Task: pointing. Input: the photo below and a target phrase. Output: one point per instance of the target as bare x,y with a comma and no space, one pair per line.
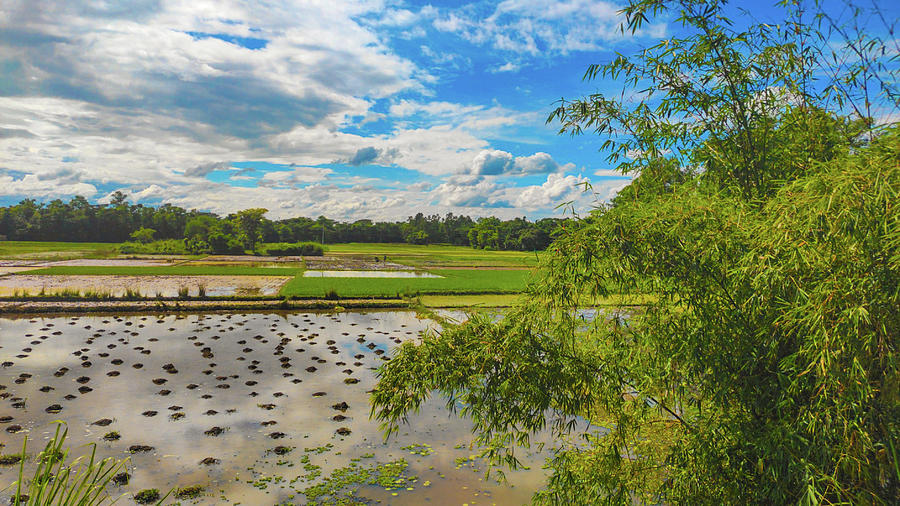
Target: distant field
175,270
470,277
468,300
435,255
458,281
40,249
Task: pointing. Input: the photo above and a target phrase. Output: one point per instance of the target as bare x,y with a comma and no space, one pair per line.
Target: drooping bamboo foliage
764,369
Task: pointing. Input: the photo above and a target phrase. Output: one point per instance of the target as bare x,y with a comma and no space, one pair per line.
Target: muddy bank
156,306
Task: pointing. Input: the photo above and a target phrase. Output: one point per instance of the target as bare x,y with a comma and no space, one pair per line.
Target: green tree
143,235
249,225
764,230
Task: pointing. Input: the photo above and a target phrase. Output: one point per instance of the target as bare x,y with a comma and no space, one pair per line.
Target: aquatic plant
82,482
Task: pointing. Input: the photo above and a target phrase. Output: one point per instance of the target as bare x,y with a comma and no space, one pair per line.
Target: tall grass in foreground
83,482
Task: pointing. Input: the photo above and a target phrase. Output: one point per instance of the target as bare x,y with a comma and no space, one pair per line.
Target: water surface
250,375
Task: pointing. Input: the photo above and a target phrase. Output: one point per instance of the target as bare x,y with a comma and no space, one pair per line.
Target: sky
373,109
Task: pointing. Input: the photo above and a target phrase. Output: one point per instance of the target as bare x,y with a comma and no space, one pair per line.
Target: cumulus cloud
496,162
492,162
364,156
480,194
551,192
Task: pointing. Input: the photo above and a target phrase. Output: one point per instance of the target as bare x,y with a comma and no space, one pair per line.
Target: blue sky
365,109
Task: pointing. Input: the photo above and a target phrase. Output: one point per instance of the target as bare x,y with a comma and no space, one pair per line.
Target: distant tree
143,235
199,227
248,223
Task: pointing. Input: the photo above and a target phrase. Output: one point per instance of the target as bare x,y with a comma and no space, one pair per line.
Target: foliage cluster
765,222
162,247
292,249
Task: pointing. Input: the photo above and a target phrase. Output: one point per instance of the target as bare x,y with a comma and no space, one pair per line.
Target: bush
225,244
163,247
307,249
197,246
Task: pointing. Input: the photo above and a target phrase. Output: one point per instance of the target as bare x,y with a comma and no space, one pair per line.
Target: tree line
118,221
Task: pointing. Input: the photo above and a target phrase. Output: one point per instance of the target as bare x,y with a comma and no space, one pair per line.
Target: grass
173,270
57,250
454,281
470,300
84,481
436,255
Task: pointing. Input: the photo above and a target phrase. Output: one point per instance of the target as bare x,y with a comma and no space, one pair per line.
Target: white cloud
611,173
294,177
551,192
537,27
493,162
35,186
506,67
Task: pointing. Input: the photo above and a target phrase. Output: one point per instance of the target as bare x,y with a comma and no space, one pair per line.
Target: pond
256,408
369,274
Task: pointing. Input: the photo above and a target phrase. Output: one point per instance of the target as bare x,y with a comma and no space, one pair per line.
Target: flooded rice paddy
147,286
255,408
369,274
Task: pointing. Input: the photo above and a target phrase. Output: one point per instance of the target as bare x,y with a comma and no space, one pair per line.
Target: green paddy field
467,276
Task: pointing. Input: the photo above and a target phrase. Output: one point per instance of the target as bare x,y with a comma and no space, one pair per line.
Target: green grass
174,270
67,250
436,255
457,281
470,300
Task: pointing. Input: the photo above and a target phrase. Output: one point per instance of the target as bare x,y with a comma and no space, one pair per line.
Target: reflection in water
369,274
233,387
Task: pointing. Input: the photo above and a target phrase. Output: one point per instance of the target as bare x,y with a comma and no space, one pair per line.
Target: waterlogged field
101,286
438,255
252,408
449,281
49,249
346,271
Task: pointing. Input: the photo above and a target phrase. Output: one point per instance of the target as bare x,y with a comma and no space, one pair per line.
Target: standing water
255,408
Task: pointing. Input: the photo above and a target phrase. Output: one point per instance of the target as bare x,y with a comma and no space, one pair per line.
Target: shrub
143,235
309,249
197,246
163,247
225,244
